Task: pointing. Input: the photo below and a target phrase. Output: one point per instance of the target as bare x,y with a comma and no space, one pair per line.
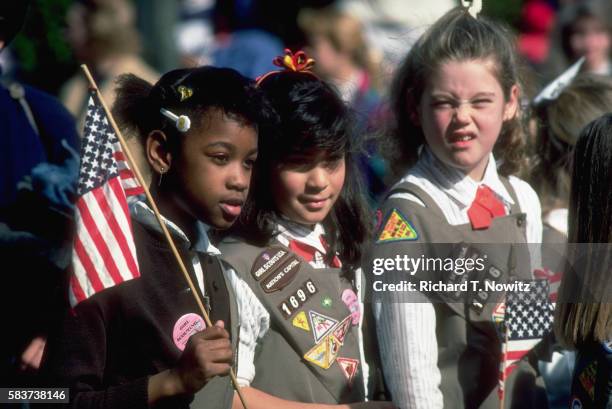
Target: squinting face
214,170
305,188
462,111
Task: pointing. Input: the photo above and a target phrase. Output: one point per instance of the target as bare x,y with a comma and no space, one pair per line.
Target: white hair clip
474,6
552,90
183,123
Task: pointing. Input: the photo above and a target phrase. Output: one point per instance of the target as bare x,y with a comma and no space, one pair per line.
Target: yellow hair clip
185,92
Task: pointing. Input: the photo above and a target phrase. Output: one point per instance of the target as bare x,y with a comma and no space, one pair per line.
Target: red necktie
307,252
484,208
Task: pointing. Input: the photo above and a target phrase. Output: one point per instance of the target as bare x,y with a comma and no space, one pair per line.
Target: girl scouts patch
576,404
321,325
319,355
268,260
275,267
300,321
324,353
349,367
342,329
349,298
326,302
185,327
587,379
397,228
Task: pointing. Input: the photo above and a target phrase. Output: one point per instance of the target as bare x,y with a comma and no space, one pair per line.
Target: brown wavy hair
456,36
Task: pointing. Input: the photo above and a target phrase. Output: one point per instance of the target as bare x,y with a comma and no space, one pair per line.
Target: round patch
349,298
607,345
576,404
185,327
326,302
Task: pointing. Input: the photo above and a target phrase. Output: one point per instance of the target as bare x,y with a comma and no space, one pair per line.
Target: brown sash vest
469,345
311,352
220,302
219,392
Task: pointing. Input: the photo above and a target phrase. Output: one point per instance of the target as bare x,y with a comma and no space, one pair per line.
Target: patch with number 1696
295,301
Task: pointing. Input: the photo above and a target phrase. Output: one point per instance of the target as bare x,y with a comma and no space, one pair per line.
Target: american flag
103,251
528,317
554,280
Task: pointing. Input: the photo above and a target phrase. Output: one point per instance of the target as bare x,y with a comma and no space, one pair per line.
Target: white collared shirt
411,366
254,318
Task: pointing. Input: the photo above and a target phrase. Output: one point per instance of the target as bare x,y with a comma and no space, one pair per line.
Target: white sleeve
409,353
254,324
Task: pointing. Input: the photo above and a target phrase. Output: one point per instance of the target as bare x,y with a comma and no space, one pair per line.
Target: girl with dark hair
298,245
582,29
137,344
455,143
583,317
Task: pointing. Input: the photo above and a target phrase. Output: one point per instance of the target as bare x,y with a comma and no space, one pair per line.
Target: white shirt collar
142,212
290,230
456,183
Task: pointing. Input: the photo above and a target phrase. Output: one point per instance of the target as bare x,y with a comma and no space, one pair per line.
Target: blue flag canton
98,163
529,314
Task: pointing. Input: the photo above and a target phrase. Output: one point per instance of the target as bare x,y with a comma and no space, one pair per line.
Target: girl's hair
138,103
561,54
311,117
346,35
456,36
590,217
559,123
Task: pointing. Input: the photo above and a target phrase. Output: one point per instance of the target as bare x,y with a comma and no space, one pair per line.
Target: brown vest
219,392
469,344
311,352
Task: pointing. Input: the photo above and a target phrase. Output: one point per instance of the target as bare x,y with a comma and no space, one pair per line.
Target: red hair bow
294,62
298,62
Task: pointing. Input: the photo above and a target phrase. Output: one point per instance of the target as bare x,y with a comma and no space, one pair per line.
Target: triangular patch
397,228
349,368
499,312
300,321
333,347
319,355
321,325
342,329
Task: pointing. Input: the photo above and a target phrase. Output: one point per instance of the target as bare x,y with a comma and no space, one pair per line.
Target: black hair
311,118
12,17
591,193
456,36
138,103
590,221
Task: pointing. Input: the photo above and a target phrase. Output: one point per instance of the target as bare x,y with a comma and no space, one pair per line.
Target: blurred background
345,36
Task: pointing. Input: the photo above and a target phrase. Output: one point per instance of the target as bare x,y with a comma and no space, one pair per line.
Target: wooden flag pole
138,175
504,361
